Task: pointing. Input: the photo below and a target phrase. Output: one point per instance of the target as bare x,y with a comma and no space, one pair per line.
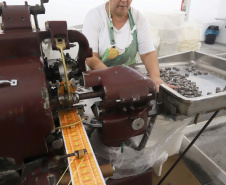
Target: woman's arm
151,63
95,63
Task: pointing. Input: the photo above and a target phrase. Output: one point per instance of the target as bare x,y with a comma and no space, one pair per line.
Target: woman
116,32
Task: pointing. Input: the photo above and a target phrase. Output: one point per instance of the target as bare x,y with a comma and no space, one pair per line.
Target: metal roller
107,170
81,154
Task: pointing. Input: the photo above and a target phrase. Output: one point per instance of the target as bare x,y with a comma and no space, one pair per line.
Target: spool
107,170
81,154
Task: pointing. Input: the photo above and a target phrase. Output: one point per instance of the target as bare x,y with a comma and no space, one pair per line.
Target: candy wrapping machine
126,99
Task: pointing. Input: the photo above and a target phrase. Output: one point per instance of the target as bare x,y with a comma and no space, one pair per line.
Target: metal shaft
90,95
36,22
147,133
72,154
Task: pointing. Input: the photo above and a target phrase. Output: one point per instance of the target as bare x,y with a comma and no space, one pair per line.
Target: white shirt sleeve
145,44
91,28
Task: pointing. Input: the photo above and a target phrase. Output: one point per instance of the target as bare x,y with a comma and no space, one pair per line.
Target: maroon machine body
25,112
126,102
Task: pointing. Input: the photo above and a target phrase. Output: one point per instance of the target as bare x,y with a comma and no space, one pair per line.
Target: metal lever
12,82
60,44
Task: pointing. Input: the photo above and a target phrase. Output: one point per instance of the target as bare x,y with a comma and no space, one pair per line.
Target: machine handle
34,10
12,82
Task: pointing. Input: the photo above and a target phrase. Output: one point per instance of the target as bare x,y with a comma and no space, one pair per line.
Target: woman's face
120,7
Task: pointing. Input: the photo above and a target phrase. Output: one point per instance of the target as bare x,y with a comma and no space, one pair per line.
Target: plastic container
155,37
191,32
168,48
165,20
187,32
170,35
189,46
210,39
211,34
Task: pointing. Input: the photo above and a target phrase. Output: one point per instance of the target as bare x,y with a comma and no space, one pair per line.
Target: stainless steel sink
222,55
181,105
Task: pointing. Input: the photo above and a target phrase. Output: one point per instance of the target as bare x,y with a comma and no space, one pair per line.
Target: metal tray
176,104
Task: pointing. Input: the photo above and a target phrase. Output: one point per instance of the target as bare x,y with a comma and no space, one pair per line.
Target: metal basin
180,105
222,55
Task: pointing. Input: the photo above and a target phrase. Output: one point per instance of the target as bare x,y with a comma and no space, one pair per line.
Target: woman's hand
158,81
94,62
151,63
